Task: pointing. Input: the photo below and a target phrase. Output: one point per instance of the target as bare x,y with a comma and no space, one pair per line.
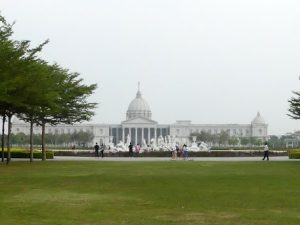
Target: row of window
239,132
67,130
217,131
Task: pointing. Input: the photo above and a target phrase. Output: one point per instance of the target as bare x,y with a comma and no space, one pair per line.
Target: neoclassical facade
140,128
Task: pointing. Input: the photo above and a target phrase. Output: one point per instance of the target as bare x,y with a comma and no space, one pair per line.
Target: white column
123,134
149,136
135,135
117,135
155,136
142,135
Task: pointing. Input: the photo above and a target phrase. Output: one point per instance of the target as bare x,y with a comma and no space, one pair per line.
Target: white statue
160,140
144,144
128,140
203,146
121,146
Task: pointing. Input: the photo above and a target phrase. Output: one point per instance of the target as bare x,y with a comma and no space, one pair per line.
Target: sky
208,61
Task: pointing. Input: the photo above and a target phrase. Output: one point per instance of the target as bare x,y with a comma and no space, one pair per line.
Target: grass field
150,193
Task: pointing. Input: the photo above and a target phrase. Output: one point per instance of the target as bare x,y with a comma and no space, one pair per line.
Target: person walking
185,152
102,150
177,151
130,148
174,152
266,151
137,150
96,147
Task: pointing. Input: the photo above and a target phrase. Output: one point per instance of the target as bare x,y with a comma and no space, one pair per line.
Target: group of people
136,149
101,148
180,152
176,151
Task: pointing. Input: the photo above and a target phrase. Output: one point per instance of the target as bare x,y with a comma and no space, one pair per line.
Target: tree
202,136
68,102
37,95
276,142
294,106
15,58
233,140
55,96
223,138
245,141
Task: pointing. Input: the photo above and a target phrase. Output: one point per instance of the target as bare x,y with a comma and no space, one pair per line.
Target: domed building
139,128
258,125
138,107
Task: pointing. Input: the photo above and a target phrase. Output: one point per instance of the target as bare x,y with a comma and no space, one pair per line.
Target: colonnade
137,134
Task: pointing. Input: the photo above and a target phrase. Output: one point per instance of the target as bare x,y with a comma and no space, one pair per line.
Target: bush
36,155
294,155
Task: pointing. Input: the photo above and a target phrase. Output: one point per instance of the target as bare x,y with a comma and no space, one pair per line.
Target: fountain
194,147
203,146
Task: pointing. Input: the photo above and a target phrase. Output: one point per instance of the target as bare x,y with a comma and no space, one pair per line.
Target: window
241,132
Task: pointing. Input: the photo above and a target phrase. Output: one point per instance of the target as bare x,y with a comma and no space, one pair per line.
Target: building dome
138,107
258,119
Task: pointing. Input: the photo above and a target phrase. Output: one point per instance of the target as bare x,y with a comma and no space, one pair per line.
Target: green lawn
150,193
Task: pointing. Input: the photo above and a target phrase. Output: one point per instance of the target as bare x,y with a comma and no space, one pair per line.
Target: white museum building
140,127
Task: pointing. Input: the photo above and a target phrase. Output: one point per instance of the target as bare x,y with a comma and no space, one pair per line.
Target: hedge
294,155
36,155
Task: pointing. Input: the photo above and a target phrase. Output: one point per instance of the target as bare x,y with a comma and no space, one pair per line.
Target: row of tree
36,91
81,138
224,139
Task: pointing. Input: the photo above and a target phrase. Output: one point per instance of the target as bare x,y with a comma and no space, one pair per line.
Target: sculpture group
167,143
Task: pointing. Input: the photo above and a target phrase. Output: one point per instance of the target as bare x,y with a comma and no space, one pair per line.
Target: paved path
229,159
153,159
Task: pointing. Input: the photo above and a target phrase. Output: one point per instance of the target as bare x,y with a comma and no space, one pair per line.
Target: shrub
36,155
294,155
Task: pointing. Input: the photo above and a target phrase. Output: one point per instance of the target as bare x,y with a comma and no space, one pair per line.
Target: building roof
138,107
258,119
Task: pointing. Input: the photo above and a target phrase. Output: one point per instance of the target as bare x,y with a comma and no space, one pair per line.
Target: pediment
139,120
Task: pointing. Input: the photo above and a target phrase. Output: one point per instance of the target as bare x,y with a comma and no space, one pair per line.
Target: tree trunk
43,141
3,134
8,139
31,140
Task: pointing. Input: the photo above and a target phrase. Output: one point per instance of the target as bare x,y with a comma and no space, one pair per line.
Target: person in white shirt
266,151
185,152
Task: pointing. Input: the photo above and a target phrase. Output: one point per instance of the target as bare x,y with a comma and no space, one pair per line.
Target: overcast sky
208,61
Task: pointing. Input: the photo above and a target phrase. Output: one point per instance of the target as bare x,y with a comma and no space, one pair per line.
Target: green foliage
36,91
294,154
233,141
26,154
80,138
294,110
222,138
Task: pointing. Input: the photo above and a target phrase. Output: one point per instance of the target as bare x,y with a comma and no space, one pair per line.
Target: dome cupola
258,119
138,107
